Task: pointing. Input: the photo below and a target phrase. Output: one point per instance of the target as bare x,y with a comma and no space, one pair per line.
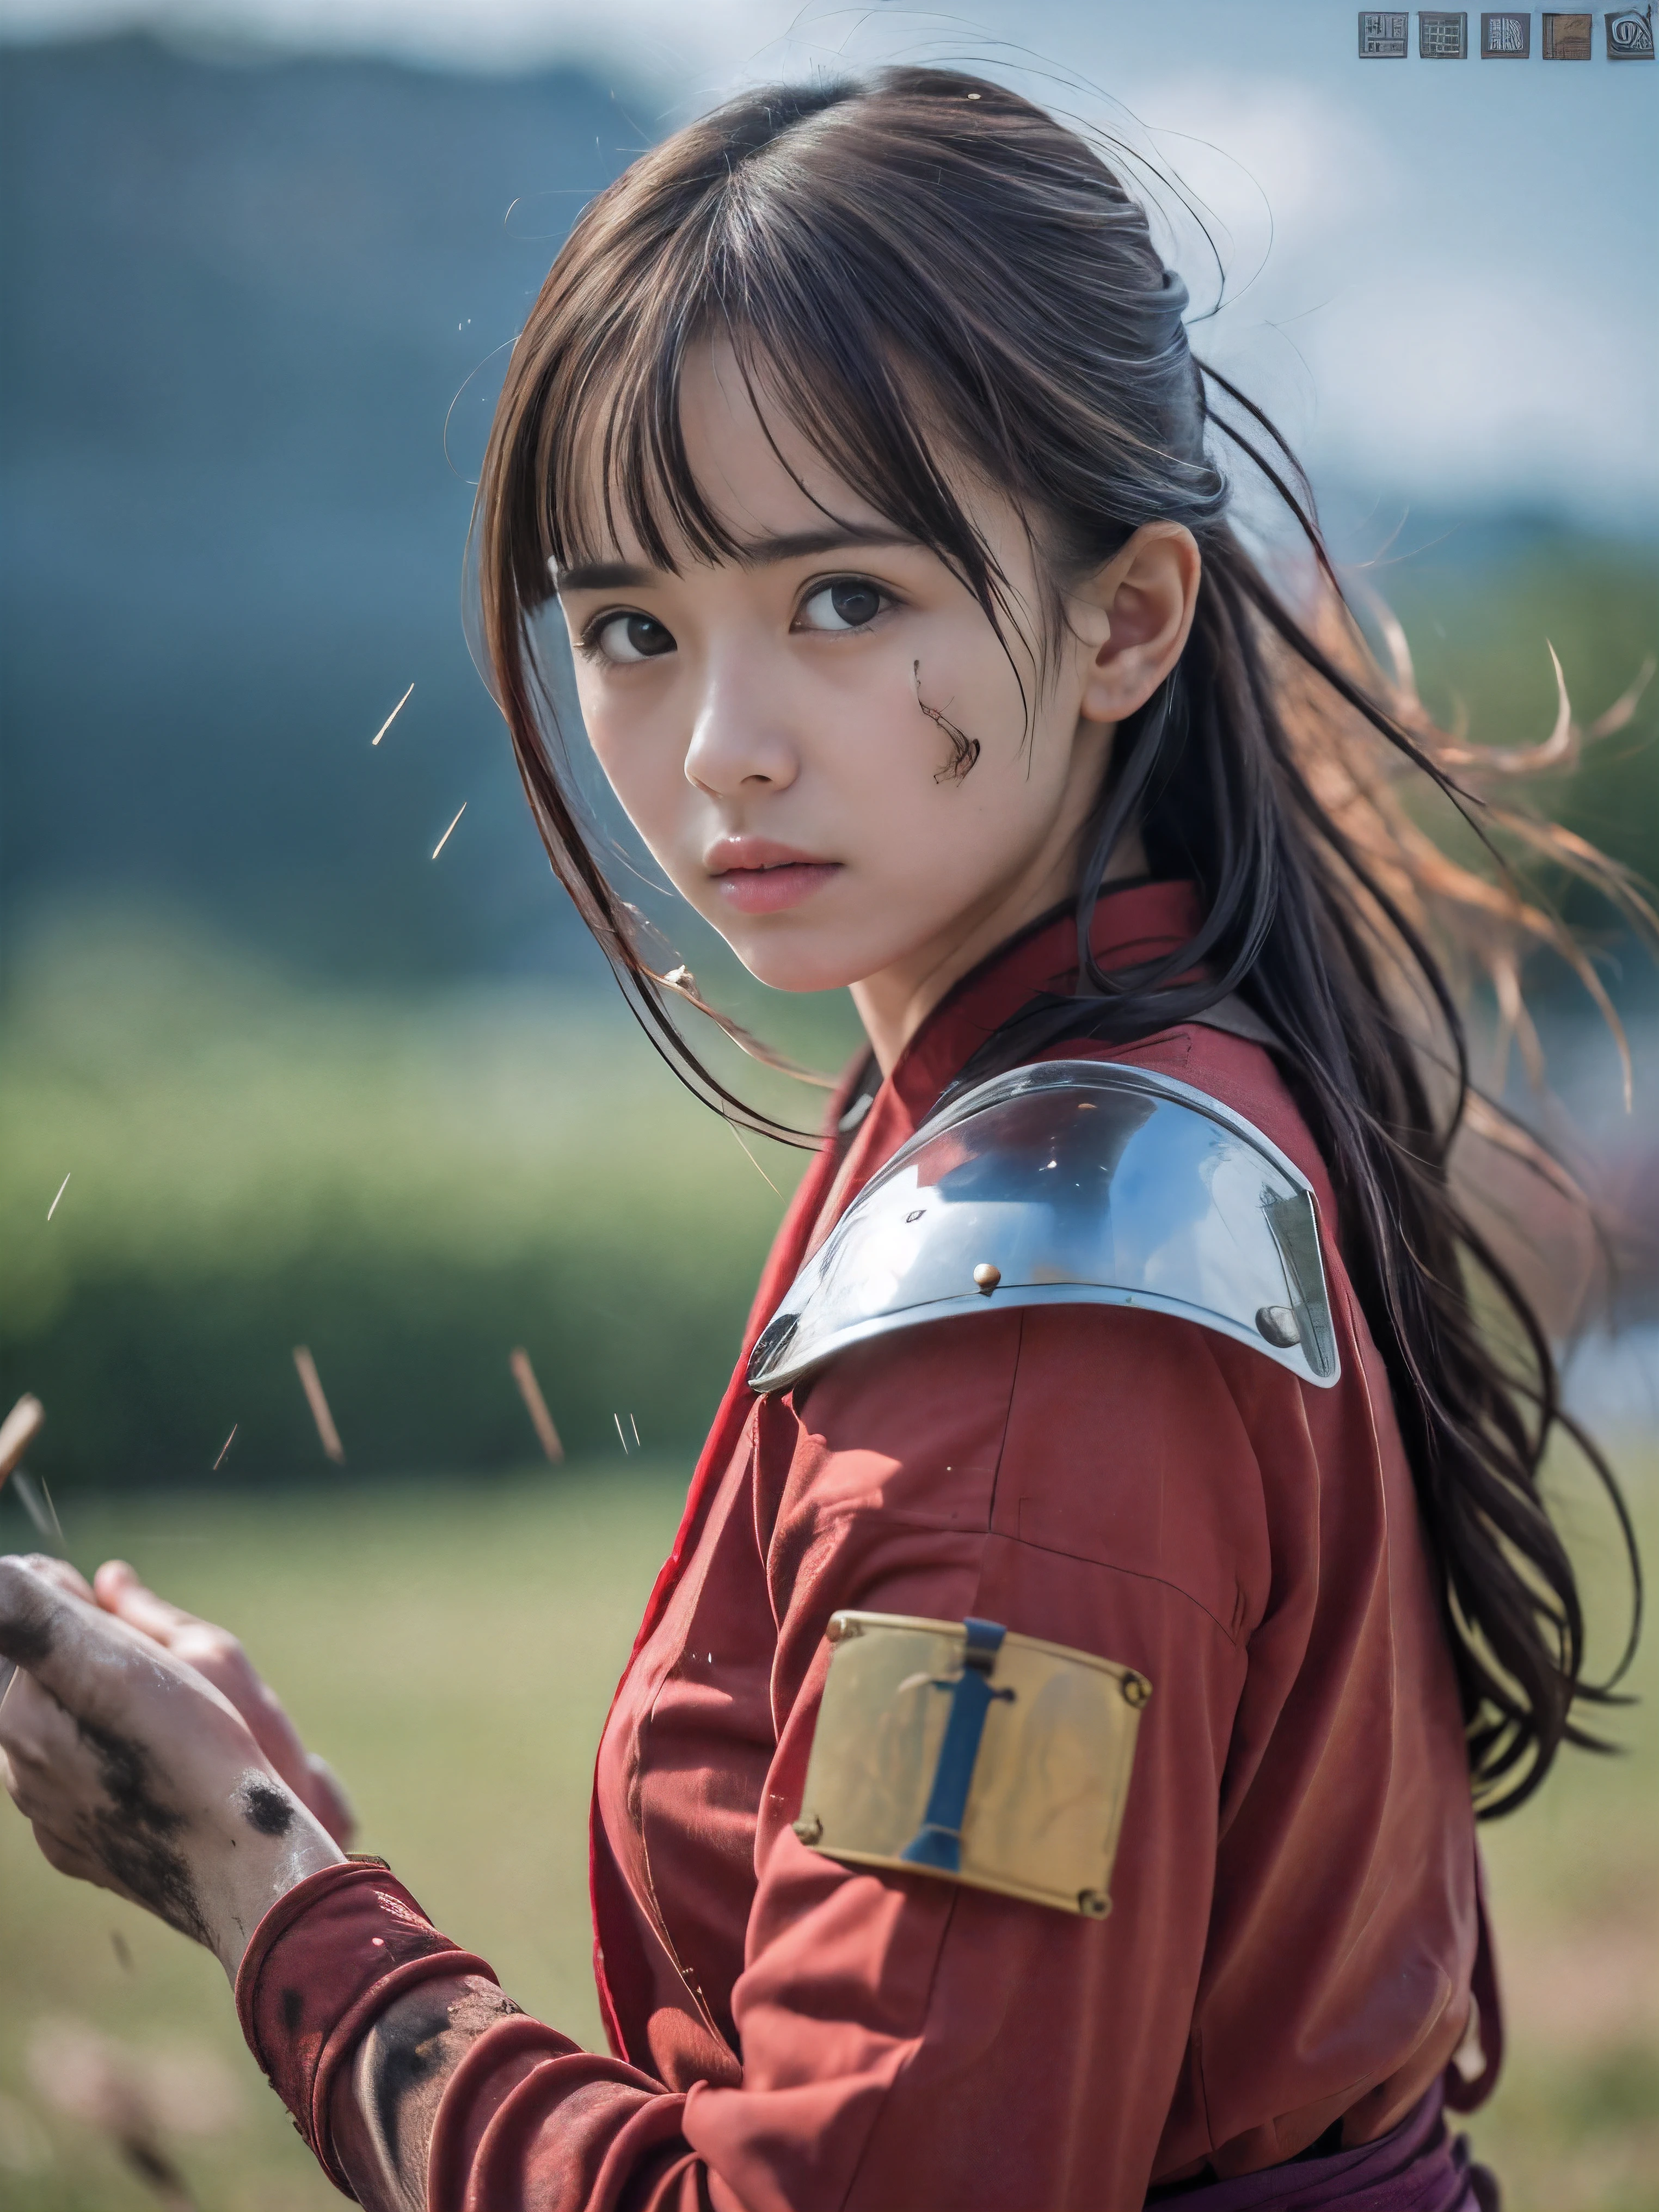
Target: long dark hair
926,271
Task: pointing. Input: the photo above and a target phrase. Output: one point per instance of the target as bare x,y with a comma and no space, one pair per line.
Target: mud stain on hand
27,1631
267,1809
132,1839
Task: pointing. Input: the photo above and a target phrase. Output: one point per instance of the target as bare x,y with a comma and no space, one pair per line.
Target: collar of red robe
1138,921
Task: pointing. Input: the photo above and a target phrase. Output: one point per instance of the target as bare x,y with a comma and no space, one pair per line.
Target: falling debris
448,833
226,1446
18,1431
123,1955
62,1187
536,1406
621,1437
311,1382
36,1501
391,718
634,1425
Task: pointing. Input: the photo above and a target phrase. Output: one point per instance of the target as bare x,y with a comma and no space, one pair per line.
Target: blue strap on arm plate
937,1842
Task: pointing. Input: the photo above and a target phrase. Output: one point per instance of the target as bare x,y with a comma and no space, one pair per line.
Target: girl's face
774,725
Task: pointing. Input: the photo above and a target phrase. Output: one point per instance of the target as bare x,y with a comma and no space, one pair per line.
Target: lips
753,875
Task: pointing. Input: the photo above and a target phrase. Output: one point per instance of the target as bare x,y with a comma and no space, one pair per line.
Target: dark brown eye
632,637
847,603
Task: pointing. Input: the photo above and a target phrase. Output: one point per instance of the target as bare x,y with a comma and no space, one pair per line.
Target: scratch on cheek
964,750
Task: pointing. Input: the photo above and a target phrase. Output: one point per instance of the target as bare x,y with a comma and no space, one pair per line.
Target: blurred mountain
239,296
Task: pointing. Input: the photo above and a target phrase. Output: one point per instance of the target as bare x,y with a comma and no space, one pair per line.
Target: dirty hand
136,1773
216,1653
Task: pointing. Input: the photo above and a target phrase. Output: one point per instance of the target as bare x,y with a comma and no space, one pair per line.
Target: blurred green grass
452,1645
410,1187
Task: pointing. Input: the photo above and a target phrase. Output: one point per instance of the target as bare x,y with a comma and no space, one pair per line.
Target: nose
737,742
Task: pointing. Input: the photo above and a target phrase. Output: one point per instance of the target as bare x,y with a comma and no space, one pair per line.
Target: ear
1135,615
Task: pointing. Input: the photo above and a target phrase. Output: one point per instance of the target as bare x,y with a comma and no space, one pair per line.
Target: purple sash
1416,2167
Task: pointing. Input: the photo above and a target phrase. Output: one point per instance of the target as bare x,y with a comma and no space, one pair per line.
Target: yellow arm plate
1048,1781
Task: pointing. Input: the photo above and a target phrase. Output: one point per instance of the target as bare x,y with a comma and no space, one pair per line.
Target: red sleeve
327,1960
1080,1473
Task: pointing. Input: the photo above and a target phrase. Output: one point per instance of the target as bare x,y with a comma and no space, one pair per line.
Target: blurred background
259,263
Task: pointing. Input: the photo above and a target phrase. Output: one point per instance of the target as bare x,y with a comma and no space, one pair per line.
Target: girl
1117,1504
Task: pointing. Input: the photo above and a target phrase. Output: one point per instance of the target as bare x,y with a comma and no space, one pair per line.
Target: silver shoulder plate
1072,1183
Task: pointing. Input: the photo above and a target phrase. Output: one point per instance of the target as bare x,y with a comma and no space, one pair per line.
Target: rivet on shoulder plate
1136,1690
987,1277
1091,1901
1279,1325
809,1830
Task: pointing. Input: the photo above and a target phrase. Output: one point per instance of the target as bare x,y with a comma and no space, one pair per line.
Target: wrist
262,1872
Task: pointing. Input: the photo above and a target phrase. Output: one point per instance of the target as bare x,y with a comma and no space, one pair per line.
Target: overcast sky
1443,275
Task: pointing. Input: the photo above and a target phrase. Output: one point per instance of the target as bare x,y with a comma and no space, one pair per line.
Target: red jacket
1294,1907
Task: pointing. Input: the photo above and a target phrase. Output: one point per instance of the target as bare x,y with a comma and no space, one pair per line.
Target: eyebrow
758,553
